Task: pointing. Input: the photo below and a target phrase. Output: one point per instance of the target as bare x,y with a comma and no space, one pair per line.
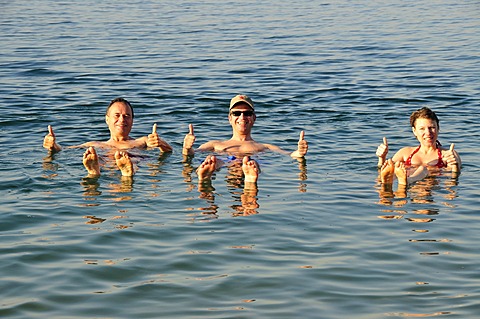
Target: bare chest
121,145
239,147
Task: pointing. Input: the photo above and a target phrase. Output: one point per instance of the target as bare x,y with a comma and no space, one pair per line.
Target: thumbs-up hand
382,149
302,147
188,141
152,139
49,140
450,157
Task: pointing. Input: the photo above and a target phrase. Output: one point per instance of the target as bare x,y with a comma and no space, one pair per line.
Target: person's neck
119,138
426,149
241,137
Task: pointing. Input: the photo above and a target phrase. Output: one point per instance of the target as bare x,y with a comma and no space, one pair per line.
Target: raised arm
49,142
153,140
188,142
382,151
302,147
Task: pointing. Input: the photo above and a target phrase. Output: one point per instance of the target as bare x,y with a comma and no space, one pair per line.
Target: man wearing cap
242,118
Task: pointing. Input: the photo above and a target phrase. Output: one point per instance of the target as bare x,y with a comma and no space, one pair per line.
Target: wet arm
164,146
279,150
276,149
300,152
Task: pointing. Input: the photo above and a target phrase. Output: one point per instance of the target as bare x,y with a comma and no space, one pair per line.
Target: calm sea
319,239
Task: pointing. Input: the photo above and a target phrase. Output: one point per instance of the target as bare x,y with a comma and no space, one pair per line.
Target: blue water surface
317,239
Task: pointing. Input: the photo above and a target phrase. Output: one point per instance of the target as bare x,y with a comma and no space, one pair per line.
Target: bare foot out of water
250,169
124,163
206,169
387,171
401,172
90,161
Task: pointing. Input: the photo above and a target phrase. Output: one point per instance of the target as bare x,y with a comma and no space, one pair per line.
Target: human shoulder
272,147
130,143
210,145
91,143
403,153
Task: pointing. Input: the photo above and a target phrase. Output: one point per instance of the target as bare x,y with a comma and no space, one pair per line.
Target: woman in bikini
411,164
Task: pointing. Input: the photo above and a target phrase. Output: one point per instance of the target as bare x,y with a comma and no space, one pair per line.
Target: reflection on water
244,195
249,202
156,168
419,207
94,220
163,245
421,192
91,185
206,190
420,315
302,175
49,166
124,184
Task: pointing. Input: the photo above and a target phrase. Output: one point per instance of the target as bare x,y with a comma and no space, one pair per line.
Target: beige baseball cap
241,98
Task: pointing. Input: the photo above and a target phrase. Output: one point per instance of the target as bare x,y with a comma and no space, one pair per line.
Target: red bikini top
440,162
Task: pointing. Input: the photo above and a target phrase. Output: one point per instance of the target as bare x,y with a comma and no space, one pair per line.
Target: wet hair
121,100
423,113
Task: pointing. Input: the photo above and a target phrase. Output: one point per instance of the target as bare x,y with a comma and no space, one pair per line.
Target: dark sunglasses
245,113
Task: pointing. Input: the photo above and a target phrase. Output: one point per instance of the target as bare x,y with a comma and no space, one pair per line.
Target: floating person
119,118
411,164
242,118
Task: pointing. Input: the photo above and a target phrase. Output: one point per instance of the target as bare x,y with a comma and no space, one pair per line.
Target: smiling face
119,119
242,118
426,131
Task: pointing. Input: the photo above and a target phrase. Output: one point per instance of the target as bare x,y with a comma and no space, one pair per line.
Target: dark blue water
318,240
